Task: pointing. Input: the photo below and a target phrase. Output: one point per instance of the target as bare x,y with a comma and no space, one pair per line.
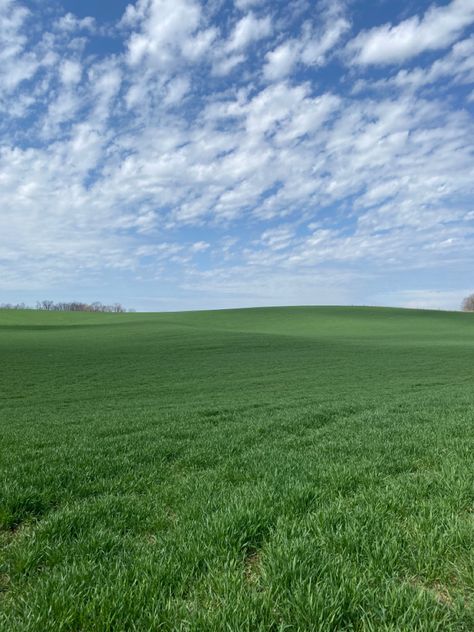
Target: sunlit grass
249,470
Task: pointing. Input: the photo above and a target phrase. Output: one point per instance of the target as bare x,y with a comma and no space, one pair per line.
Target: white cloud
244,285
281,60
456,67
224,65
314,44
176,90
245,4
70,72
61,110
401,159
105,83
439,27
16,63
424,299
287,111
315,49
230,54
278,238
69,23
196,47
249,29
167,29
200,246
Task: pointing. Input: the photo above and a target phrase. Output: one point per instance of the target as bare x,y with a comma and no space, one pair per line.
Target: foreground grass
249,470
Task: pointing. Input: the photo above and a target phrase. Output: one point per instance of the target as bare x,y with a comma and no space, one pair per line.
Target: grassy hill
242,470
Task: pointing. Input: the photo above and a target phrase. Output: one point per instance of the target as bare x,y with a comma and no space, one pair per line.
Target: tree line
76,306
73,306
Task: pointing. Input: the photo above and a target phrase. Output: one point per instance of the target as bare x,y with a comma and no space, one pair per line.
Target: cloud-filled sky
180,154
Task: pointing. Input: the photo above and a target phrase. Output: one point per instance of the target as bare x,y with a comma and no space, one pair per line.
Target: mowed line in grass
268,469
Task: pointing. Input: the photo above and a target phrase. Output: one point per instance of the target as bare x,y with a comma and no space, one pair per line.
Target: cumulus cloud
16,63
249,29
439,27
313,45
453,69
69,23
231,53
315,48
224,65
167,29
176,89
70,72
281,60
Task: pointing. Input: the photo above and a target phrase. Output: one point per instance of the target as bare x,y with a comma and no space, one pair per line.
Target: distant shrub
74,306
14,306
468,303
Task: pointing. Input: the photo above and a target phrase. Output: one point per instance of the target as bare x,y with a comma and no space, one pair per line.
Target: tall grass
250,470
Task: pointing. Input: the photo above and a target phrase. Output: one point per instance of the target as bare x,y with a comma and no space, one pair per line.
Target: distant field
283,469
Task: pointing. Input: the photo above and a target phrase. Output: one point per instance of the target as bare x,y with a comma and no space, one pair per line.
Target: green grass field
284,469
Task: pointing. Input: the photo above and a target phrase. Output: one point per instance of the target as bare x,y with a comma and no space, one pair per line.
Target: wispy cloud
439,27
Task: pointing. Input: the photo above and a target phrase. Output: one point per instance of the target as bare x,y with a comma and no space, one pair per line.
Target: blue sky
186,154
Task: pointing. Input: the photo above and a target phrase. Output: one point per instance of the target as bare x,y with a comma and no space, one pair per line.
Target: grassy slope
248,470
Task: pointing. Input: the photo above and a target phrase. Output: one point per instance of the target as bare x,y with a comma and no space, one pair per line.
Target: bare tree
14,306
73,306
77,306
468,303
45,305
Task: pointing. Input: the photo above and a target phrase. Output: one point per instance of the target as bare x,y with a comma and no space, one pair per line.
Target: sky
193,154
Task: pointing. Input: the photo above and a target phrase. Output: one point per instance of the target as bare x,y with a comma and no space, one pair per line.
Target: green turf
297,469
